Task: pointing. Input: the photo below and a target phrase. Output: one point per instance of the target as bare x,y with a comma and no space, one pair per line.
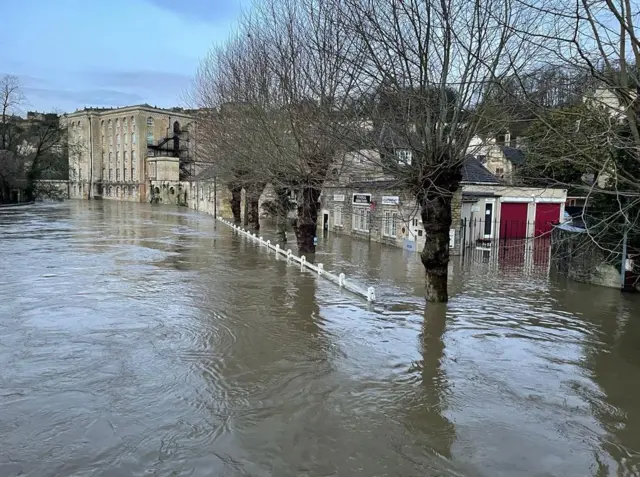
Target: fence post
371,294
303,261
289,255
341,279
464,236
320,268
268,245
277,248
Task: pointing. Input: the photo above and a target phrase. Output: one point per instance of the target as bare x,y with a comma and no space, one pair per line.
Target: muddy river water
140,340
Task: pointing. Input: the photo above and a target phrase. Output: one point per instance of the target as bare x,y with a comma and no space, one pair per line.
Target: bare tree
32,149
288,69
11,97
428,65
596,145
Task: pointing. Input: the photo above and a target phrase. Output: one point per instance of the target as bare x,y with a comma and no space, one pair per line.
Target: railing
340,280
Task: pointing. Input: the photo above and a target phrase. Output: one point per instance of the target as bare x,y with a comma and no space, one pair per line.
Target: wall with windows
108,159
386,216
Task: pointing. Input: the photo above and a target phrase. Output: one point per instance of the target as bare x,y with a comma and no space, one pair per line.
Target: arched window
118,139
102,127
176,128
117,126
110,128
133,123
125,125
149,130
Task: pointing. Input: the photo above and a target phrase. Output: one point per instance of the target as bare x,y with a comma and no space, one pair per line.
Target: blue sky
70,54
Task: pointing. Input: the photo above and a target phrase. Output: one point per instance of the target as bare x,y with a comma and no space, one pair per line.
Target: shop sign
390,200
361,199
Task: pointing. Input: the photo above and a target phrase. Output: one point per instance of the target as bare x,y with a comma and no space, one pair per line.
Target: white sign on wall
338,197
390,200
452,238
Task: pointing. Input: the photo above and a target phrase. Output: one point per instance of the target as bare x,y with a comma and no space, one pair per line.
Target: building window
110,128
500,172
117,158
125,174
134,177
103,143
117,173
118,140
337,217
360,219
133,138
126,139
201,192
117,126
110,177
404,156
149,130
102,127
389,224
125,125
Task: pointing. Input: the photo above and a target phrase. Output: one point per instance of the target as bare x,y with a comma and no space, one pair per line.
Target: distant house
484,208
500,154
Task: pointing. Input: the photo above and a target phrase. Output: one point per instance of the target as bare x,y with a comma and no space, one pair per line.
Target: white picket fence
340,280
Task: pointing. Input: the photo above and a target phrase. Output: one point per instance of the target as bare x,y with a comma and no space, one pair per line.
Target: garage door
513,220
546,216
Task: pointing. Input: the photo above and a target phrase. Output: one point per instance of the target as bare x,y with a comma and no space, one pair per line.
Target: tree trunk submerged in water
307,219
436,219
282,213
435,198
236,202
253,193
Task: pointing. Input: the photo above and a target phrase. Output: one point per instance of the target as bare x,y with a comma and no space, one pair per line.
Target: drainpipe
90,160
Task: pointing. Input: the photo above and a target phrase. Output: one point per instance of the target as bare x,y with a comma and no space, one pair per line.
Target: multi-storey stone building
116,153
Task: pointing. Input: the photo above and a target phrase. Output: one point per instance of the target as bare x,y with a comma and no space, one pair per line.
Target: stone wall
210,197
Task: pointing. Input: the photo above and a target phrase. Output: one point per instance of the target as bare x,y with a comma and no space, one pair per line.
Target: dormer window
404,156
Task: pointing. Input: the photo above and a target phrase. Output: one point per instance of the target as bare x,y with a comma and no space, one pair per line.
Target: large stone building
117,153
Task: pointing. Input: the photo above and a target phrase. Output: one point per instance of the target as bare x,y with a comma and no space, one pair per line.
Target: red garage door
546,216
513,220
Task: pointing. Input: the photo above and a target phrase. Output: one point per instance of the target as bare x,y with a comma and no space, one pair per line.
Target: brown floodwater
140,340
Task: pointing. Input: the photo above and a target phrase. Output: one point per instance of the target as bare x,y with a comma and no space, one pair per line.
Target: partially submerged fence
340,280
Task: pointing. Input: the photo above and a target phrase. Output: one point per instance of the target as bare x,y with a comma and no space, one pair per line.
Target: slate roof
516,156
475,173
